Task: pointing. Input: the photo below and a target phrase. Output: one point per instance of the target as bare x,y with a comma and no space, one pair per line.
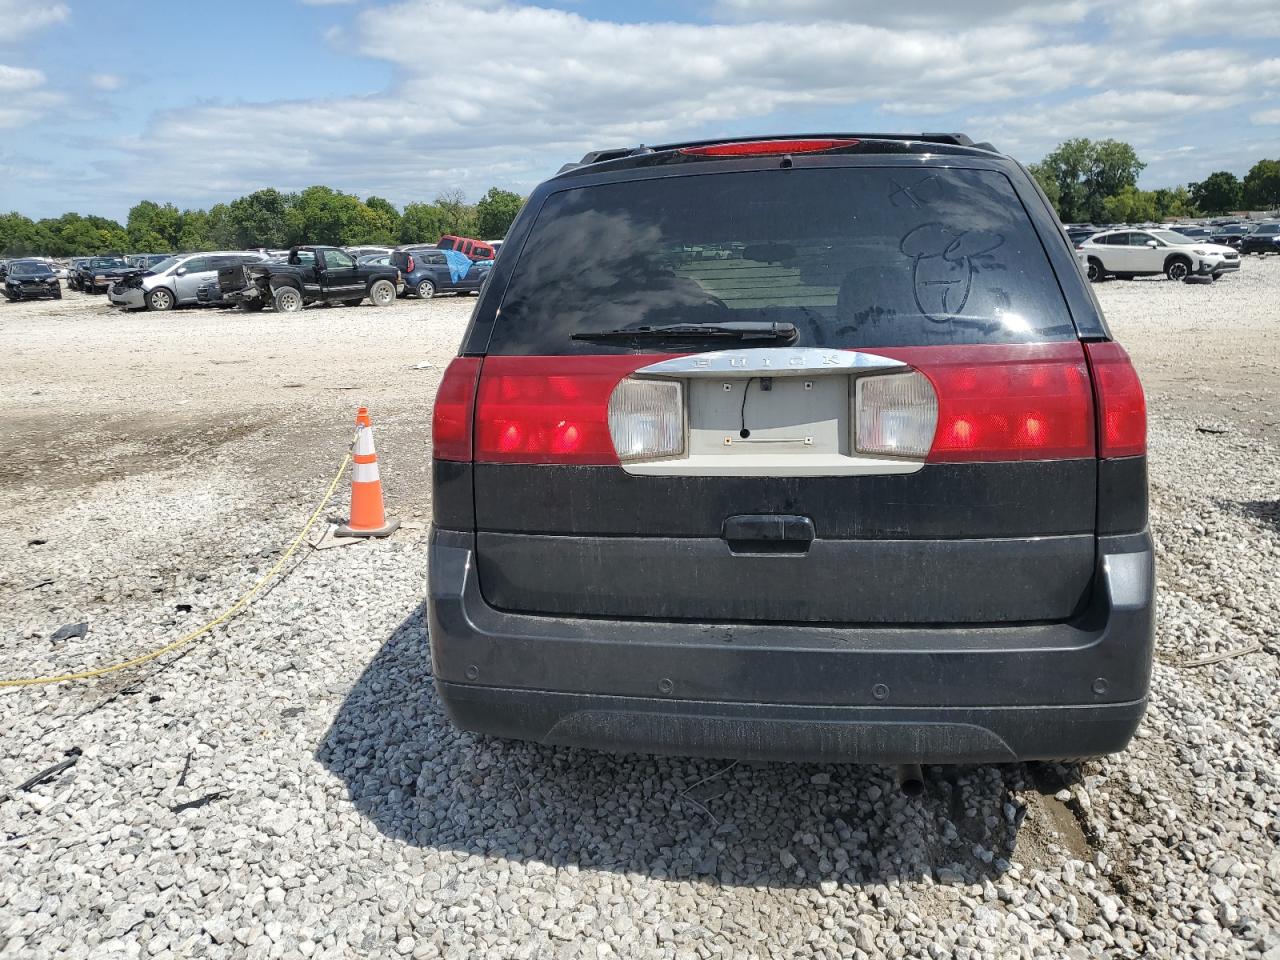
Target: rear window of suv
879,256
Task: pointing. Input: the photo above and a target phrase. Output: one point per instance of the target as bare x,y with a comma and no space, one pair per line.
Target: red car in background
475,249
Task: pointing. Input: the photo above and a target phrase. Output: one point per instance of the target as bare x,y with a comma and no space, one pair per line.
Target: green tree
422,223
260,219
21,236
1086,173
153,228
71,235
219,228
388,217
1173,202
459,216
1219,192
1262,185
1130,205
193,233
1049,184
324,215
495,211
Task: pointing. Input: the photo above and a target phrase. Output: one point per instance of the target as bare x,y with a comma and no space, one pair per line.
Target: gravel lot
290,787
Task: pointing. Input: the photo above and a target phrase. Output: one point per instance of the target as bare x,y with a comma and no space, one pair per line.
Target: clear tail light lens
646,419
895,415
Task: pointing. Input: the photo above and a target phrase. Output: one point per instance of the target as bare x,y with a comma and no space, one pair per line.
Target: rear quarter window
853,256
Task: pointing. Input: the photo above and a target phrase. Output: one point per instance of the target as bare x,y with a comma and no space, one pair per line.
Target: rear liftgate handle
757,533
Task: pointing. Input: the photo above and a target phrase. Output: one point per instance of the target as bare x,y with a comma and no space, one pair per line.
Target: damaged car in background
97,274
312,274
29,279
175,281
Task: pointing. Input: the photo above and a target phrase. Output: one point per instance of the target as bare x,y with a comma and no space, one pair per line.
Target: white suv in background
1137,253
176,281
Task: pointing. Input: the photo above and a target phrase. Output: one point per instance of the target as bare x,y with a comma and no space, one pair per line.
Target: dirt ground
146,457
91,393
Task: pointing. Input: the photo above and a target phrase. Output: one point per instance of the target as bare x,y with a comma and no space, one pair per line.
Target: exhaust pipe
910,779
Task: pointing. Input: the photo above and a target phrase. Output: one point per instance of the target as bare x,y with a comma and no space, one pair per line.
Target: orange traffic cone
368,515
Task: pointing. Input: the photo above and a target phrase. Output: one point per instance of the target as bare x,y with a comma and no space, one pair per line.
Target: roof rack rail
617,153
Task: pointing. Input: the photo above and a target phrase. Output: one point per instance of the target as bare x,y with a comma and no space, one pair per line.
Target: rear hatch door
899,431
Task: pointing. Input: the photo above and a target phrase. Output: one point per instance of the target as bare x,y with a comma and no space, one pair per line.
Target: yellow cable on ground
221,618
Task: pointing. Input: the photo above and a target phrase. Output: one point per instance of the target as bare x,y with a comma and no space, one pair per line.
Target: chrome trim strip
768,362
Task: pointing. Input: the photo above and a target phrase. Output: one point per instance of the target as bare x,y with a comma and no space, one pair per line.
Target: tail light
646,419
549,409
1016,410
451,416
951,404
1006,402
1122,407
760,148
409,267
895,415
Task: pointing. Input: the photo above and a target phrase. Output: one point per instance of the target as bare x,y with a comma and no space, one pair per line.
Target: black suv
814,448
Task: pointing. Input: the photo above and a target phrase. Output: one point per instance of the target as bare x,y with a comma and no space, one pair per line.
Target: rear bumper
969,694
770,731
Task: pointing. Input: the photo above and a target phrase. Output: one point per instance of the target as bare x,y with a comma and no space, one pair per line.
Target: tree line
1097,182
1086,181
264,218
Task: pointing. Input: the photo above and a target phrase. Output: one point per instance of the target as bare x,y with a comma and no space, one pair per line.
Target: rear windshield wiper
736,330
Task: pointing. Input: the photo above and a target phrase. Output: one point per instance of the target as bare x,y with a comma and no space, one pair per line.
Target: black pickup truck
96,274
309,275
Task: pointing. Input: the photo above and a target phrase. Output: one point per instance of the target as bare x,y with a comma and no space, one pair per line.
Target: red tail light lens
1007,402
760,148
549,409
1122,406
451,416
409,266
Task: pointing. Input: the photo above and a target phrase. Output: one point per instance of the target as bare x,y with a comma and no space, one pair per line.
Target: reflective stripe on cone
368,513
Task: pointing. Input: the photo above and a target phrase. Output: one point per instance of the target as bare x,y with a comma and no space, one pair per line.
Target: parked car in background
145,261
429,272
29,280
475,249
73,272
312,274
871,488
96,274
1139,253
1262,239
1203,234
1229,234
359,253
175,281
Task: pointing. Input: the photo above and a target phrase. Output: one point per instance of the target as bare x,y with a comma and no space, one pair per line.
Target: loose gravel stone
291,787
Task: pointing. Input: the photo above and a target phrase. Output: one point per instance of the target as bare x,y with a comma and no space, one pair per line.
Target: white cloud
1266,117
1136,116
13,79
559,83
20,17
1246,18
545,85
106,81
928,14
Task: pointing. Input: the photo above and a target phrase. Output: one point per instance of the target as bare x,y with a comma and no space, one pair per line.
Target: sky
103,104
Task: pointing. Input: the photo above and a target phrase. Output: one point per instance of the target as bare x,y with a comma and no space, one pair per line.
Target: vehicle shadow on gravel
1267,511
422,782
